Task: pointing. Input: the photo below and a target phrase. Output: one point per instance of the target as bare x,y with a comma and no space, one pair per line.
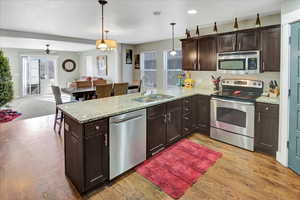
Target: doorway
294,133
39,73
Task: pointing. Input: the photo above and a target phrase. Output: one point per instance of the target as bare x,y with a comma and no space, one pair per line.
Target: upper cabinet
226,42
270,49
247,40
200,53
207,53
189,54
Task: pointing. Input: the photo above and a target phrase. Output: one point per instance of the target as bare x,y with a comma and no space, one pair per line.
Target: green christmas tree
6,85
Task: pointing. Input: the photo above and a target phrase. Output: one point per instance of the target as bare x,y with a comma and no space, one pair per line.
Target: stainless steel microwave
242,62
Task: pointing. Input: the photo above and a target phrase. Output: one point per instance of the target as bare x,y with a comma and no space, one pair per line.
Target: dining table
79,93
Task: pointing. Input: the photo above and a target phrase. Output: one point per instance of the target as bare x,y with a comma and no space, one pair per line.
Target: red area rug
177,168
8,115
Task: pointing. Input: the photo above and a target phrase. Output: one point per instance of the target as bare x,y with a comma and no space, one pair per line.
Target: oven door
233,116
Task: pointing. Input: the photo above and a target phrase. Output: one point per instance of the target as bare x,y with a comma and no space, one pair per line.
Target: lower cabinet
203,118
86,153
197,115
163,126
266,128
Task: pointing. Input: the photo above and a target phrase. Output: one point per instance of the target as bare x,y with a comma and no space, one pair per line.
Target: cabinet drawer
265,107
95,128
186,124
72,127
156,110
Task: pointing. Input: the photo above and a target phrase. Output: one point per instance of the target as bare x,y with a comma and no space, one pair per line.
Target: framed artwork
101,64
137,61
128,56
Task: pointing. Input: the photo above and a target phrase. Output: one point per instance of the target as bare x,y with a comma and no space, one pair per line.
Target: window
173,67
148,69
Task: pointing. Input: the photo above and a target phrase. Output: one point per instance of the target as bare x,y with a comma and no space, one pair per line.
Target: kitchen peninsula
91,158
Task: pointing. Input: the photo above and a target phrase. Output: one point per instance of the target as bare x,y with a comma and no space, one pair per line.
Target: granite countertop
271,100
91,110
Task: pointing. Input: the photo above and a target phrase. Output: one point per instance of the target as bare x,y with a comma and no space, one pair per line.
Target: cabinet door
174,111
96,159
248,40
266,128
270,46
207,48
226,42
156,129
189,55
203,122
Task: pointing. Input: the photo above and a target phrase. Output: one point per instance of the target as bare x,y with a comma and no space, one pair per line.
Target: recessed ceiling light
192,12
157,12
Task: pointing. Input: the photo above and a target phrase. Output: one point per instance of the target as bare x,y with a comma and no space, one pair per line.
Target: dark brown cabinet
226,42
163,126
266,128
86,153
270,48
189,54
187,117
156,128
203,118
174,110
207,50
247,40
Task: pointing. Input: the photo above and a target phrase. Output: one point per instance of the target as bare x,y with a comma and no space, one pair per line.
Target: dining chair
137,83
83,84
58,101
99,82
120,89
104,90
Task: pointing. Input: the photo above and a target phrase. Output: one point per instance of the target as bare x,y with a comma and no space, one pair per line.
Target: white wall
114,72
14,56
290,14
203,78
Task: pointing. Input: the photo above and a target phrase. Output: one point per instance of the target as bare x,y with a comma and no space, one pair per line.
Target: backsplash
203,78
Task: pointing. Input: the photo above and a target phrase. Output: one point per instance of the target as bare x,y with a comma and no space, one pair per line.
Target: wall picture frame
128,56
101,63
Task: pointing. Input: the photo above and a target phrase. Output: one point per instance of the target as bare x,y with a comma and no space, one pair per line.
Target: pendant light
257,23
173,52
236,25
103,44
111,44
47,51
215,27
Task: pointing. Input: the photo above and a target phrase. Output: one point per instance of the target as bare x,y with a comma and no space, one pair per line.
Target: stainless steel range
233,110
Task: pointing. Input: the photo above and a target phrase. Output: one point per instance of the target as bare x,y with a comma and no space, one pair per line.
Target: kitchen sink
152,98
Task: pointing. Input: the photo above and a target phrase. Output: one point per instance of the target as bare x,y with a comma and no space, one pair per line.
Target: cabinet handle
97,128
258,117
186,118
165,118
267,108
105,140
263,66
185,129
240,46
169,117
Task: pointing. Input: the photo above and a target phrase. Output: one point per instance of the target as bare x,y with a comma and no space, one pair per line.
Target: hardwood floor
32,167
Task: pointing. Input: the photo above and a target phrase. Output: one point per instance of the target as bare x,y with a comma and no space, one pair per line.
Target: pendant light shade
257,23
173,52
215,27
102,44
236,25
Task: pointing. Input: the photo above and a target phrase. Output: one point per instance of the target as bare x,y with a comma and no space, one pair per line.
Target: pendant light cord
173,36
102,22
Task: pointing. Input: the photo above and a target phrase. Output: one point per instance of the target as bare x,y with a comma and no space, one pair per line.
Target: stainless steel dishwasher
127,141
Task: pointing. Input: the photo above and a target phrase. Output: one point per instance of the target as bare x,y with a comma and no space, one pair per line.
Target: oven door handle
239,102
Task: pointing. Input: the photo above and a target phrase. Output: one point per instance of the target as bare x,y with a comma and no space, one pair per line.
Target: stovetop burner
245,90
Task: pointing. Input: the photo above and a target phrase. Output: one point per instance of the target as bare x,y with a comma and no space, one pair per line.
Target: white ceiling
129,21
